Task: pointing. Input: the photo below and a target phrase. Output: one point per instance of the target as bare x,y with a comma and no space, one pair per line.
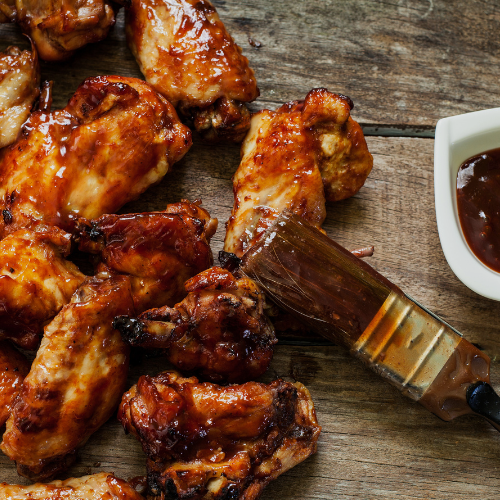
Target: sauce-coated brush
347,301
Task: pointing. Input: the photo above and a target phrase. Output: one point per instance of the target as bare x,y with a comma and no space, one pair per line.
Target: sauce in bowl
478,200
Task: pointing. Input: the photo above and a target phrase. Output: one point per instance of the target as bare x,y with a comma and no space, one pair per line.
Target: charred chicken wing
59,27
205,441
159,250
115,138
13,368
102,486
287,158
75,382
219,330
185,52
19,87
36,281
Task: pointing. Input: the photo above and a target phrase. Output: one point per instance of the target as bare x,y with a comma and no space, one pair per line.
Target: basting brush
344,299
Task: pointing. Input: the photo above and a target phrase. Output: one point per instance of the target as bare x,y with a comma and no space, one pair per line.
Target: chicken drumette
292,158
204,441
19,87
36,281
159,251
75,381
59,27
115,138
219,330
102,486
185,52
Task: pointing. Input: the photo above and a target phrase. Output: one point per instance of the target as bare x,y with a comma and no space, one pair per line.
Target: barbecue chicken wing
7,11
219,330
185,52
102,486
19,87
13,368
75,382
205,441
36,281
59,27
114,139
287,158
159,250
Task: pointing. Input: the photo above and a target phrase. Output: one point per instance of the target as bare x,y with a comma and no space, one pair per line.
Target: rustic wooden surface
405,64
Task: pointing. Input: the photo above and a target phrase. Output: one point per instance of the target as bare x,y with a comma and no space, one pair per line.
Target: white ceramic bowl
457,139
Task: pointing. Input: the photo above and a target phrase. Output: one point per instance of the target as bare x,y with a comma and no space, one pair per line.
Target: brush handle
483,400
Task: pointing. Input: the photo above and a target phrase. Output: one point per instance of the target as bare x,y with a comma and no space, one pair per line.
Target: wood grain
405,64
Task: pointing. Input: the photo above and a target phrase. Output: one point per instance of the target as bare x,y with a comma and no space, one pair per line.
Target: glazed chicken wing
286,159
14,366
7,11
19,87
159,250
75,382
204,441
102,486
59,27
114,139
185,52
36,281
219,330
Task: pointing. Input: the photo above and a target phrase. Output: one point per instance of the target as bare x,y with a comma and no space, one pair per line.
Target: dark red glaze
478,200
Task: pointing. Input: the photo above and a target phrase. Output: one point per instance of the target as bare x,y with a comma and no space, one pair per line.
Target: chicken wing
36,281
114,139
287,158
205,441
159,250
59,27
19,87
14,366
102,486
185,52
75,382
219,330
7,11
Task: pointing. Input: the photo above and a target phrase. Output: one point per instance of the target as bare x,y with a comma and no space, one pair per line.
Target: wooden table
405,64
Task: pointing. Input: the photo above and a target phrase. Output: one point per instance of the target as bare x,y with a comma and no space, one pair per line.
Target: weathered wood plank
403,63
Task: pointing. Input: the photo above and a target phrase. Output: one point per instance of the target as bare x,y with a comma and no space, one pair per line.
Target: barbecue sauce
478,201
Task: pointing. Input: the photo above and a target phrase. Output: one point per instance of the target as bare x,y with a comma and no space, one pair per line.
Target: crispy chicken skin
14,366
185,52
114,139
219,330
102,486
75,382
36,281
19,87
158,250
287,157
204,441
59,27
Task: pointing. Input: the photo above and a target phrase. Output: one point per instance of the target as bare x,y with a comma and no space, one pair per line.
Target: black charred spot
130,329
230,492
229,261
7,216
